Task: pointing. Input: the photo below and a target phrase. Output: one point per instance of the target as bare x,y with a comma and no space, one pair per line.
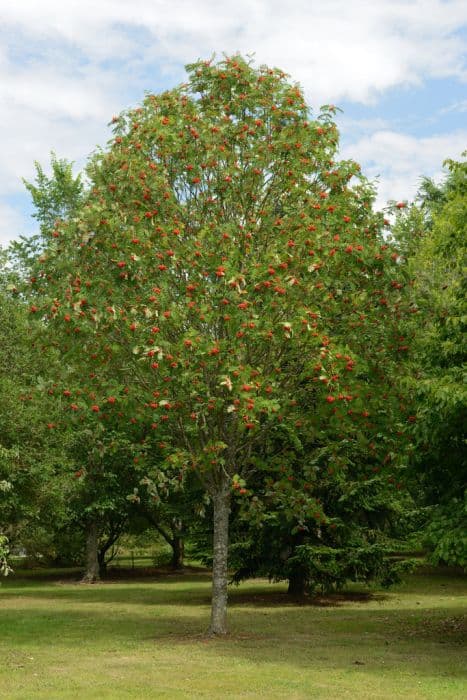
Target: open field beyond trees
138,636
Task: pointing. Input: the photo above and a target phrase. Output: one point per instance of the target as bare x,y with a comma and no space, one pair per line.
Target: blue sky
397,69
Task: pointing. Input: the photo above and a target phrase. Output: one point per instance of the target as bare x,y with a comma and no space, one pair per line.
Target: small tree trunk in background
91,575
297,577
297,583
221,504
178,545
102,563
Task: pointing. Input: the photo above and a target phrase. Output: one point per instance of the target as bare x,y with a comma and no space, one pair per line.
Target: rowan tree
224,276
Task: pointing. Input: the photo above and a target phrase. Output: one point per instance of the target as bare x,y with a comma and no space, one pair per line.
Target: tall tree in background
55,197
224,277
433,234
32,459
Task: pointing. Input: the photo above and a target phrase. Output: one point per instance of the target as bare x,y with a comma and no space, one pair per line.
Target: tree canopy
433,235
224,286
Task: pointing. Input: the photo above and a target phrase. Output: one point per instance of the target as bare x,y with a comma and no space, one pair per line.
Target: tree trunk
102,563
115,531
178,551
221,504
91,575
297,584
175,539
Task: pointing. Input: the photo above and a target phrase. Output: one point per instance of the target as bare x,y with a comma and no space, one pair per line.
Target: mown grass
144,638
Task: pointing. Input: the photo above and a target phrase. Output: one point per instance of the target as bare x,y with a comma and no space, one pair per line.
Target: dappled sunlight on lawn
123,639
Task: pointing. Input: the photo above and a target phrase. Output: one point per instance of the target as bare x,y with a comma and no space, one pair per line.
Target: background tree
55,198
172,508
32,460
432,234
319,510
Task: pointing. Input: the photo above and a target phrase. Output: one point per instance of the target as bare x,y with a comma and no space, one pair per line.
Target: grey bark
178,545
221,505
91,575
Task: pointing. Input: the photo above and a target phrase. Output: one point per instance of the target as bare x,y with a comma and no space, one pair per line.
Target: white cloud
51,91
459,107
65,68
399,160
339,49
31,137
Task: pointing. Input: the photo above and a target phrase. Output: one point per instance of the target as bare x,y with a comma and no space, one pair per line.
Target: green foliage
57,197
221,288
216,261
351,541
32,460
328,568
437,366
446,532
341,497
5,568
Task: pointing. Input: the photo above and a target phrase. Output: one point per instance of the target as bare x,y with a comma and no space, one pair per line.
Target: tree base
297,586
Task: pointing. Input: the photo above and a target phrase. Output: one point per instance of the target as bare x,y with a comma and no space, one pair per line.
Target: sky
397,69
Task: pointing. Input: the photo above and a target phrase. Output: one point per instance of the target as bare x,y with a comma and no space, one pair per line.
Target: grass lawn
144,638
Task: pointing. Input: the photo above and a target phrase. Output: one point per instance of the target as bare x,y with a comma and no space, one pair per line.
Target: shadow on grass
282,599
156,592
123,574
159,587
410,640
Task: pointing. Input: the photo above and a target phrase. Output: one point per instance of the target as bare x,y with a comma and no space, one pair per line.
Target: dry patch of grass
144,637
